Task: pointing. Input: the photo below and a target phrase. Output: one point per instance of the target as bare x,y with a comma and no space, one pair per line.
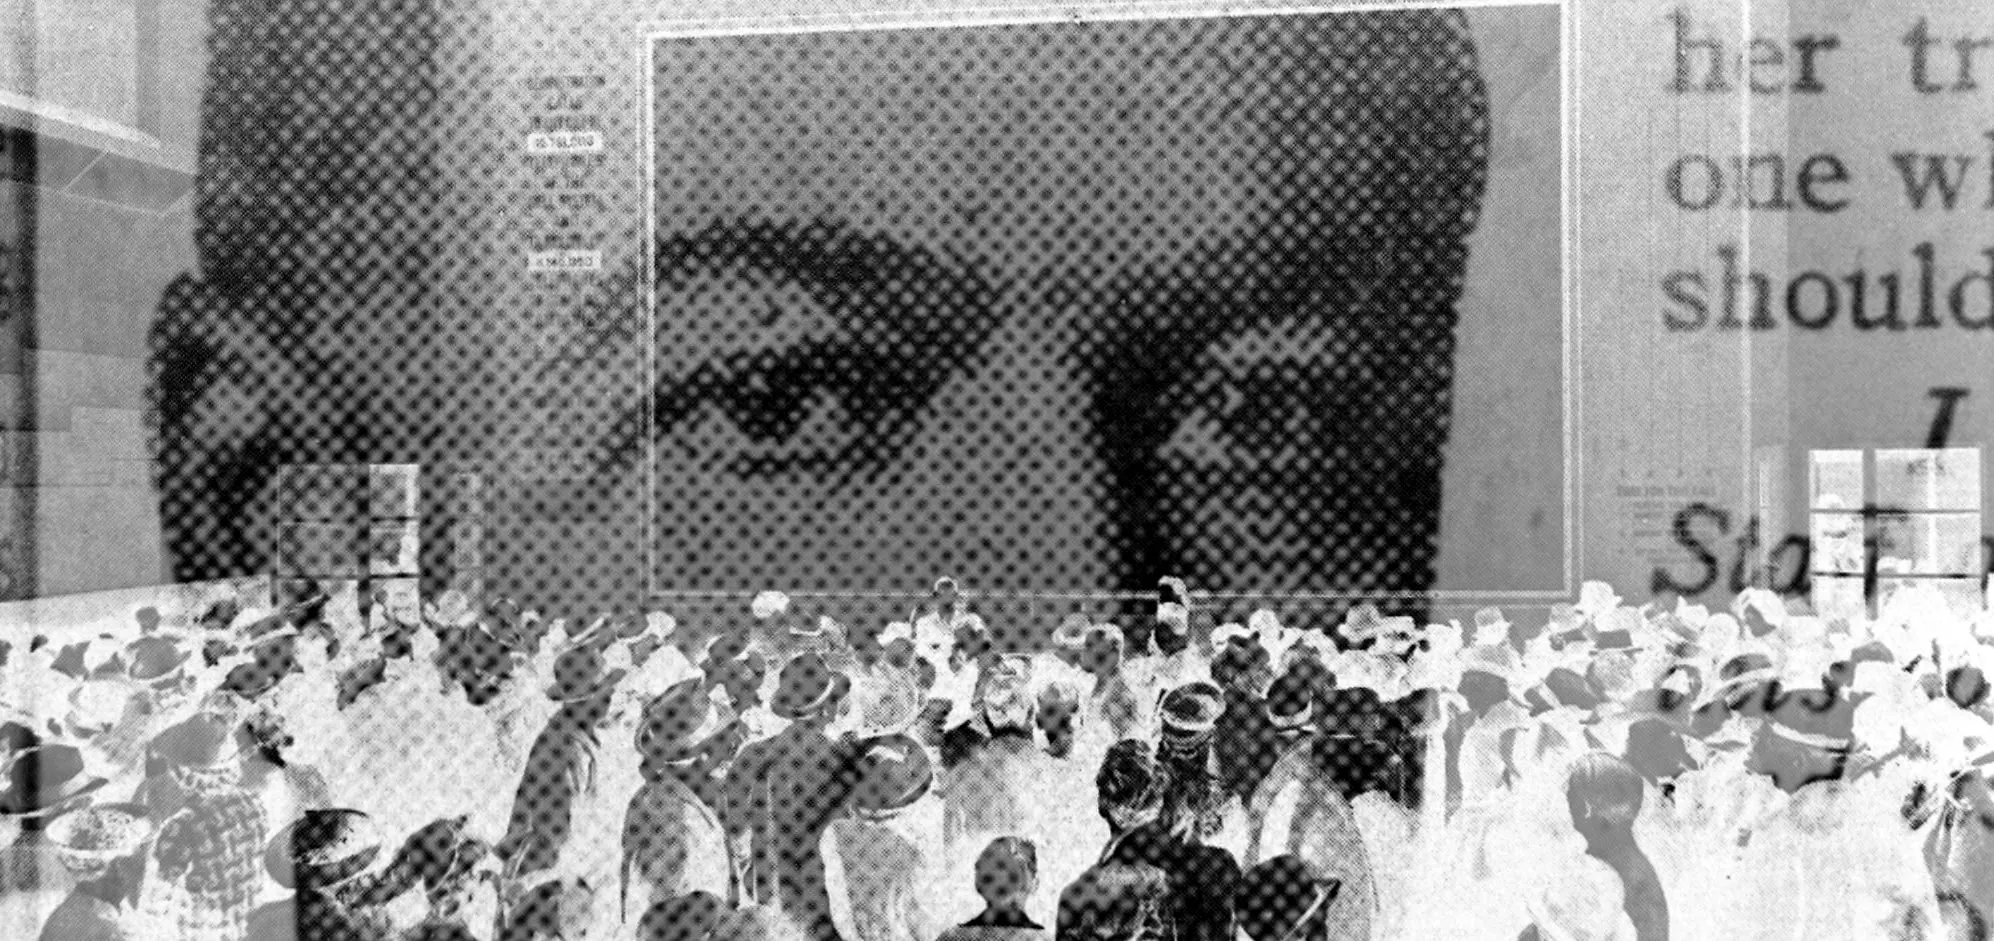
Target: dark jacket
1201,881
784,792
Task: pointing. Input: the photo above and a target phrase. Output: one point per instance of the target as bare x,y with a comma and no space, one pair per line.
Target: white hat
1490,627
768,604
1273,635
1596,598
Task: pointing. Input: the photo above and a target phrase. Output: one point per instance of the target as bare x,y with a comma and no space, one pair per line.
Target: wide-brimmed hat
1813,718
90,838
807,686
322,849
893,772
768,604
1291,701
198,743
678,722
155,660
1191,709
46,778
581,673
95,706
1071,634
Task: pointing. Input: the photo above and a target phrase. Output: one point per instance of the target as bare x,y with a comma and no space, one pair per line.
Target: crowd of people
461,770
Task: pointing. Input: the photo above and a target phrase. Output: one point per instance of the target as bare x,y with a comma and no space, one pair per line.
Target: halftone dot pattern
1055,308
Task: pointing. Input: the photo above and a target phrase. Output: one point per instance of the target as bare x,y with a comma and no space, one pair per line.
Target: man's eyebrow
871,281
889,295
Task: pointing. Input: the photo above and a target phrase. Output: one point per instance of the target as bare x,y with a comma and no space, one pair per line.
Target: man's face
914,270
1065,306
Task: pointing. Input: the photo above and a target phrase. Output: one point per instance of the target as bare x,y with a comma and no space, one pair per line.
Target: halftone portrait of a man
1057,307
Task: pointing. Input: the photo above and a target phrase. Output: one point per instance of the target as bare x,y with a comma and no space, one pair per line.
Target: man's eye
1264,412
804,408
770,404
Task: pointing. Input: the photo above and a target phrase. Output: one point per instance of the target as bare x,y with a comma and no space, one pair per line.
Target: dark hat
44,779
729,647
1291,701
1192,709
203,741
807,687
1814,718
1278,894
679,721
154,660
893,772
322,849
580,674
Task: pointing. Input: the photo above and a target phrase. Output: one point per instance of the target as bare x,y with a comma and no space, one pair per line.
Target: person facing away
103,847
1007,873
784,791
1604,794
1133,794
1114,902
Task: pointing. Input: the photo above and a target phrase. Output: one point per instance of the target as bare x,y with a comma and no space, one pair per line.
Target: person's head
1966,686
1059,717
1243,666
1283,899
1175,296
104,844
1604,795
1806,738
689,917
1007,872
1113,902
1128,788
1483,691
1105,648
945,596
809,691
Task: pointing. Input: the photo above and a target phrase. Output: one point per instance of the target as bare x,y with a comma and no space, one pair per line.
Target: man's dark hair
1128,776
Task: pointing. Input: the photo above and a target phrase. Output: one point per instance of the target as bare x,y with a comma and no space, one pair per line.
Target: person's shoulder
80,917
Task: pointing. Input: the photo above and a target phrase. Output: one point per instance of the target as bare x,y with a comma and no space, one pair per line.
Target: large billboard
1274,302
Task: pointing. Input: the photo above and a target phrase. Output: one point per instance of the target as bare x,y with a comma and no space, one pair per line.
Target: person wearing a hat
784,791
1115,710
993,770
316,856
879,854
562,779
1188,813
206,860
103,848
674,841
1178,660
936,624
41,783
1301,808
1245,731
